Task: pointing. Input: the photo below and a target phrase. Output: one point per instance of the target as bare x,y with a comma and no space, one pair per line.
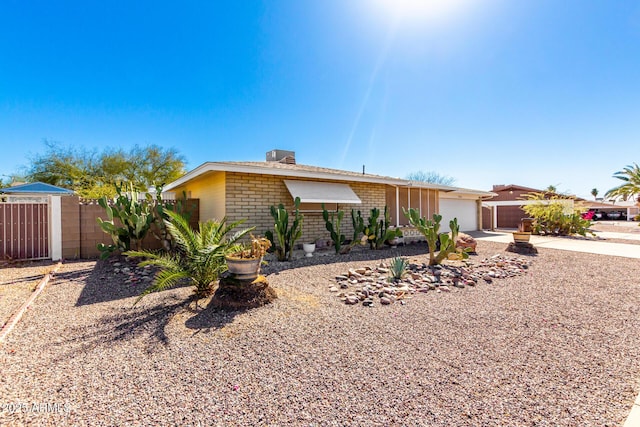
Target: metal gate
24,228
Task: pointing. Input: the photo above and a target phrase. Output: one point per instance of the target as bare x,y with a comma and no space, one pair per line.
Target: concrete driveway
588,245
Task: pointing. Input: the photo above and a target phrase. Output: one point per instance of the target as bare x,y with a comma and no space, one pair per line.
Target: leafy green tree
594,193
93,175
630,188
431,177
200,257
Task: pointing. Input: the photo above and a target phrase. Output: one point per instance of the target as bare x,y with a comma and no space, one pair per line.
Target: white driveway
574,244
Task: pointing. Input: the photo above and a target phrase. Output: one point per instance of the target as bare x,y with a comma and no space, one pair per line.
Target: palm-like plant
199,258
631,187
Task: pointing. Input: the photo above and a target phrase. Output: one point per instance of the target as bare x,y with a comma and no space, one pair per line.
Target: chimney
282,156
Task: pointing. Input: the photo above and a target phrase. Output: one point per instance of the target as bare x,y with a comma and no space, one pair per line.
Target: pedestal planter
521,236
244,268
308,249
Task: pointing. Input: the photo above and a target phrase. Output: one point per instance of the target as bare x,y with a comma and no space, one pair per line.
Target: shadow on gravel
131,323
211,318
102,284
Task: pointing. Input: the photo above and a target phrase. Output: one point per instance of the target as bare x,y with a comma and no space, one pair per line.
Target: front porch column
397,206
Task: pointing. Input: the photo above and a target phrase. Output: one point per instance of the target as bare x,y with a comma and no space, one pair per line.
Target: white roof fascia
254,169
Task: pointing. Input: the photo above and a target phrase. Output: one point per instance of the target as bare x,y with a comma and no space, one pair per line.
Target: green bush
555,216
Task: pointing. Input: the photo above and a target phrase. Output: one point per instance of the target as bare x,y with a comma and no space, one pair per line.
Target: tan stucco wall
210,189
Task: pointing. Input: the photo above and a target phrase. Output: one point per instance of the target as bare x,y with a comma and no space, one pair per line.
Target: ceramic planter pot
521,236
244,268
308,249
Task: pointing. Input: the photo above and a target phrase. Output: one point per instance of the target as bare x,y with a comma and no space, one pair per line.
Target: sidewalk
573,244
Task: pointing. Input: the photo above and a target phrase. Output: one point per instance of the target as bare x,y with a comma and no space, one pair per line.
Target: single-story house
614,210
34,190
247,190
31,221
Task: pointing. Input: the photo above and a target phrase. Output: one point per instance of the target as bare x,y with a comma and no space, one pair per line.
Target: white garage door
464,210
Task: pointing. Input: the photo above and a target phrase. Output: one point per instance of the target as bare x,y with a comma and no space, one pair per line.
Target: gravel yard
558,346
17,282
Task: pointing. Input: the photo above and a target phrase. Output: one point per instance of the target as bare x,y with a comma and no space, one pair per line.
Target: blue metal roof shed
36,188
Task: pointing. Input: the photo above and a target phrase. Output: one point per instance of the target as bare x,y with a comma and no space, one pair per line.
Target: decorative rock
354,273
367,282
465,241
351,300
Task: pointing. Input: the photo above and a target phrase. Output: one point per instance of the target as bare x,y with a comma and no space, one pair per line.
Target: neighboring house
614,210
247,190
31,221
33,190
505,209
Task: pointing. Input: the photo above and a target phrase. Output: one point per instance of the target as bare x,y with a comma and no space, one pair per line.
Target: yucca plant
199,258
398,268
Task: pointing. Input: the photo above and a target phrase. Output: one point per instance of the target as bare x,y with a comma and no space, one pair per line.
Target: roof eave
255,169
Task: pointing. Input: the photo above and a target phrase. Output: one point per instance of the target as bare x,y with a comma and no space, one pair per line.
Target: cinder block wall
71,239
251,196
81,232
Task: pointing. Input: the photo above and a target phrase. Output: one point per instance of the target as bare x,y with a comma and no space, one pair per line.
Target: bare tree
431,177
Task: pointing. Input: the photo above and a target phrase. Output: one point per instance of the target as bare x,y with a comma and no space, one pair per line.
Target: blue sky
533,92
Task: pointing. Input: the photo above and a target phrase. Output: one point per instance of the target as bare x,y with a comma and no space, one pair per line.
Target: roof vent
282,156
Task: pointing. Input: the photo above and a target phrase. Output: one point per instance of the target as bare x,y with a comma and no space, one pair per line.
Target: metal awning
322,192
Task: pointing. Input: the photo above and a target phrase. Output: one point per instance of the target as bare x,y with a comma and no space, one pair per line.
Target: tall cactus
358,226
430,229
332,223
286,236
128,221
378,231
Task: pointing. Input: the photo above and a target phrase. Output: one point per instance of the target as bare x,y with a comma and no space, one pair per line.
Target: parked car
614,215
597,216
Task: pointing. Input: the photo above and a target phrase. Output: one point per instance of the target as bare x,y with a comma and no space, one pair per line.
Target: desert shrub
556,215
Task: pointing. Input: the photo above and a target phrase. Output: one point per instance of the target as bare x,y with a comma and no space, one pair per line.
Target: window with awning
313,193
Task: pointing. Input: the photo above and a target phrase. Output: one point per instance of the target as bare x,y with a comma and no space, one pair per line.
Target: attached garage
462,207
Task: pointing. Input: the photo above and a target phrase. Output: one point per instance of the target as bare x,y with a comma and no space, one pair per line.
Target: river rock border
367,285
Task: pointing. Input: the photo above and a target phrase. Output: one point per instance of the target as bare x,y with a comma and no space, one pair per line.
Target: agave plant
199,258
398,268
